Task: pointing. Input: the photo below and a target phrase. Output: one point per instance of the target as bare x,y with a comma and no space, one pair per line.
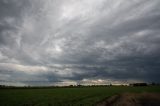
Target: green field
82,96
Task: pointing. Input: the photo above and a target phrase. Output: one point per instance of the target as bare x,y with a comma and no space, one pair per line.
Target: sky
64,42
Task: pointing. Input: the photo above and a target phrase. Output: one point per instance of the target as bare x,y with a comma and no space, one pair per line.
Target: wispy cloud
58,41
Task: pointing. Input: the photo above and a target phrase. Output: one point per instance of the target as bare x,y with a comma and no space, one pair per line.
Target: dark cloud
55,42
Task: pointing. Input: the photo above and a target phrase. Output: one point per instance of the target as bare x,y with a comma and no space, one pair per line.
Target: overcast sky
62,42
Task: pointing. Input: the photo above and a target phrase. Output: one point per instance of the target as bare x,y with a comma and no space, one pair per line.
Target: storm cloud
59,42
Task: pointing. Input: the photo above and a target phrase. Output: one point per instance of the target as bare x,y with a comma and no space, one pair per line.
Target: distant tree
138,84
153,83
79,85
70,85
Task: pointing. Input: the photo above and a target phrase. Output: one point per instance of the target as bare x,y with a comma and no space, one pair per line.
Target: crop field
73,96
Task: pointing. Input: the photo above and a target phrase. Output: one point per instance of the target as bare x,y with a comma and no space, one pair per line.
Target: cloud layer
84,41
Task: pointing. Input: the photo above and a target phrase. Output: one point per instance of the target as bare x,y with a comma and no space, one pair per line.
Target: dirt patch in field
132,99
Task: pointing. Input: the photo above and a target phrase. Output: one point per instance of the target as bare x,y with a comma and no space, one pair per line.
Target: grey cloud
75,40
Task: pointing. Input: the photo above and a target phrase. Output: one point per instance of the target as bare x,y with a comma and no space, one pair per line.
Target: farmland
68,96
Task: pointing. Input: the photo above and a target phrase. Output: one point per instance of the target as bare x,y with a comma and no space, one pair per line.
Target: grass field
82,96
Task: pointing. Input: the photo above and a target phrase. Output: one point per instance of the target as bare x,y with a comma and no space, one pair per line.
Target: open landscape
79,52
69,96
